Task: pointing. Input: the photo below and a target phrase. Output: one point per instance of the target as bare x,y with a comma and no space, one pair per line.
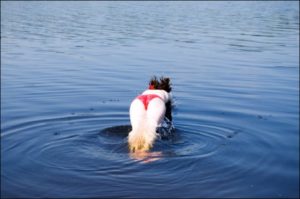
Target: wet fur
164,84
143,136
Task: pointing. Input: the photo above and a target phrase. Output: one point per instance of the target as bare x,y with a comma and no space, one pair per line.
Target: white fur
144,122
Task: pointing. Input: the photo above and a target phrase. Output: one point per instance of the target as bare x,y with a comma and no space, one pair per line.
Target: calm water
69,71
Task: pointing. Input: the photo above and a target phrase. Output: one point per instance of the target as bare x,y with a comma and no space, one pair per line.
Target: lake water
69,71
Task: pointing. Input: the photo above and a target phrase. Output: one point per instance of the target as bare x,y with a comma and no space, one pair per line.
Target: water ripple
70,69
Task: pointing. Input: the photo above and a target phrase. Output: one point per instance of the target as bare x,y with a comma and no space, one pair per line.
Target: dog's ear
166,80
153,83
165,84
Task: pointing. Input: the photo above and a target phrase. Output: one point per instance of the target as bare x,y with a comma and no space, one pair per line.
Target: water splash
166,130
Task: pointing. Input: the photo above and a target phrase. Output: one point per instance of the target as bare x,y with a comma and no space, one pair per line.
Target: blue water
69,71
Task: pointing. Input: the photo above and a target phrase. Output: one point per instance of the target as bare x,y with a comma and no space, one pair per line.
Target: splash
166,130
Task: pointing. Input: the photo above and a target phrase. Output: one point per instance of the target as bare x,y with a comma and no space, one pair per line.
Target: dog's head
163,83
153,83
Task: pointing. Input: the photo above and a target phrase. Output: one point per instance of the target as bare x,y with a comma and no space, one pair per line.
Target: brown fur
138,144
164,84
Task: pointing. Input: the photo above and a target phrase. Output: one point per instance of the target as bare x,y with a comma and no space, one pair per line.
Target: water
69,71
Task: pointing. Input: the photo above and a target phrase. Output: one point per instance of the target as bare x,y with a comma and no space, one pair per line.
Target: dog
147,112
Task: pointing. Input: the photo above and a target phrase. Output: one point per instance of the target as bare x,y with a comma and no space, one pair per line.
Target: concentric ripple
70,70
54,142
210,137
93,147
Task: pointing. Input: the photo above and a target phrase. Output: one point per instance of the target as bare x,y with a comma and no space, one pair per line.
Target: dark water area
69,71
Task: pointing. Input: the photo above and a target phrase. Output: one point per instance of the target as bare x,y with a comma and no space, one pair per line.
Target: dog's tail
141,137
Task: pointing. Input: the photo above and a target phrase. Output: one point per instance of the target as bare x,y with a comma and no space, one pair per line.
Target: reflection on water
69,71
166,132
146,156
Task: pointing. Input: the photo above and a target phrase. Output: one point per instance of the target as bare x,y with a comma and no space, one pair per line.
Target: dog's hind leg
137,138
156,111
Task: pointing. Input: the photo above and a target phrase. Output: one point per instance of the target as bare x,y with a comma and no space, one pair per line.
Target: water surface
69,71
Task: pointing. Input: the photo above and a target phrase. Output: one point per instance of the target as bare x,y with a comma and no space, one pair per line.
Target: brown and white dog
147,112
